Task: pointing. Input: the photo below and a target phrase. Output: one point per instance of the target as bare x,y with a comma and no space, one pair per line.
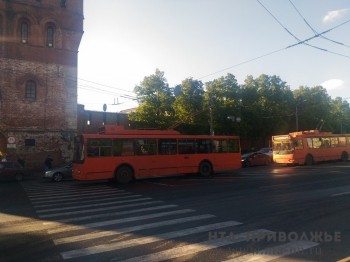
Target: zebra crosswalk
93,222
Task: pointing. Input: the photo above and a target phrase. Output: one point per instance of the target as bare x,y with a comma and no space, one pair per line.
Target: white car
57,174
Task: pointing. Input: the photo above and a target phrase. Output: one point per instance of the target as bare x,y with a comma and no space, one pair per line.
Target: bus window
298,144
186,146
106,147
334,141
167,146
342,141
146,146
127,147
203,146
316,142
326,142
93,147
309,142
123,147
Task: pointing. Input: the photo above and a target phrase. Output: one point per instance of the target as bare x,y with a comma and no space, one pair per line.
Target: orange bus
309,147
124,155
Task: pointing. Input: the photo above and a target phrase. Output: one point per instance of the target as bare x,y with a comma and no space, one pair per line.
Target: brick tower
39,41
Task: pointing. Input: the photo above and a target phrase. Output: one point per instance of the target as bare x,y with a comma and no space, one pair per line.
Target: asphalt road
255,214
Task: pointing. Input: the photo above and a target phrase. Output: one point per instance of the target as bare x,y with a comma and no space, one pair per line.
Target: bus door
186,151
167,161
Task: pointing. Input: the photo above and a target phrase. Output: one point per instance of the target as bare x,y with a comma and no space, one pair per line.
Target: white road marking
105,203
65,228
94,209
63,195
82,200
195,248
144,240
68,240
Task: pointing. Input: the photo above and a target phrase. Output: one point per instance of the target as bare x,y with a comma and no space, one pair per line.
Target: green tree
313,107
340,116
224,99
155,100
266,107
188,106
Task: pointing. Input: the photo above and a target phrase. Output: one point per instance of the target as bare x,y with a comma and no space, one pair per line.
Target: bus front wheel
124,175
205,169
309,160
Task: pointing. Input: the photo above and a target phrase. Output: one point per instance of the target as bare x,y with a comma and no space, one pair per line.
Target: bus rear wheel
205,169
124,175
309,160
344,156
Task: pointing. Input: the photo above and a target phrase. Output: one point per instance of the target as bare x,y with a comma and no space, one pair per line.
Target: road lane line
64,228
68,240
144,240
195,248
272,253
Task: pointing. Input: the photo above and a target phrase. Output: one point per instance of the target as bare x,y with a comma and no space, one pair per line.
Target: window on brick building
30,90
50,35
24,32
29,142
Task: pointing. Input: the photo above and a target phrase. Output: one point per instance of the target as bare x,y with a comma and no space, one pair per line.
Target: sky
127,40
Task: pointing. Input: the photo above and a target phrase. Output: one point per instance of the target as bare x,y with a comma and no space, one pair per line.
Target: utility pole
211,116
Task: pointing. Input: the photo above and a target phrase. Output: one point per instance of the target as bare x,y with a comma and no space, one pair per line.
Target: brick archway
3,144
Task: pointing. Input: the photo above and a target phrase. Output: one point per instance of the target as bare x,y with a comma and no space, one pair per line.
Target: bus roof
307,133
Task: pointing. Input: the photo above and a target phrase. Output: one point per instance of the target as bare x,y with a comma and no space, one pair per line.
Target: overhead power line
278,50
308,39
312,29
286,29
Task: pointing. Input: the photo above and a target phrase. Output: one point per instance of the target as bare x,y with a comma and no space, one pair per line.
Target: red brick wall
53,69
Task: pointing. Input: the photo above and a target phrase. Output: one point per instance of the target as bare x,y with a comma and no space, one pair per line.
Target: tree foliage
256,110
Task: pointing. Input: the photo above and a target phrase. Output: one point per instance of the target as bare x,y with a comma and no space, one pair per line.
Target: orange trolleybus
122,154
309,147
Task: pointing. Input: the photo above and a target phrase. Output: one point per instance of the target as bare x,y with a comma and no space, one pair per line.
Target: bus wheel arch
344,156
309,160
205,168
124,174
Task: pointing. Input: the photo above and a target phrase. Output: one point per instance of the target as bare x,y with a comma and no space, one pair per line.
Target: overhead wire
312,29
285,28
278,50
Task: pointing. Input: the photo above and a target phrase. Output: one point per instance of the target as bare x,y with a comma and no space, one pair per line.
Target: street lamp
296,114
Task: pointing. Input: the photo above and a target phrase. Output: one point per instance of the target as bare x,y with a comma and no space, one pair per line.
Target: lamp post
296,114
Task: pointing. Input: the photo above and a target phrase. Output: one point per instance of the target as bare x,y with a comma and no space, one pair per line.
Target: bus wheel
124,175
205,169
344,156
309,160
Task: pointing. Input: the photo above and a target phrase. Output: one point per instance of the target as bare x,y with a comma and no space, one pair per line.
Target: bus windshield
283,147
78,156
